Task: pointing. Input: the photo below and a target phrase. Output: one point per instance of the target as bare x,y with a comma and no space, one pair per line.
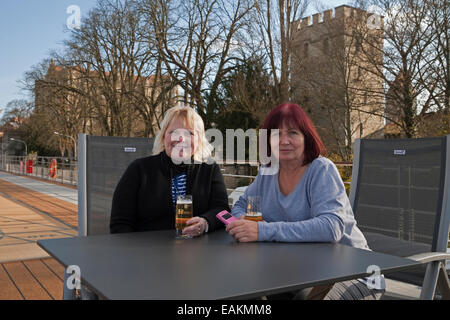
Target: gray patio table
154,265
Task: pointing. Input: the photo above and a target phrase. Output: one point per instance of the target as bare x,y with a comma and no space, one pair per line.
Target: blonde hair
192,119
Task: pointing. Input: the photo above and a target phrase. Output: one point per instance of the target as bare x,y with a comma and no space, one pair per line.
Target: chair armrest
430,256
435,274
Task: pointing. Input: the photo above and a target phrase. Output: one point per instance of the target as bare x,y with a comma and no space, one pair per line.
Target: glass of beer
253,212
184,212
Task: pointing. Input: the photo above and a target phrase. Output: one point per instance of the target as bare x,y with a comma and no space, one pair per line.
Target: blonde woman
146,194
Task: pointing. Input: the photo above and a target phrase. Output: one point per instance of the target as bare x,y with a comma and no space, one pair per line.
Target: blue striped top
178,187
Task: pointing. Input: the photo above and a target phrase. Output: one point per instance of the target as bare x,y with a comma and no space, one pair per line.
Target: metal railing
251,178
66,168
338,164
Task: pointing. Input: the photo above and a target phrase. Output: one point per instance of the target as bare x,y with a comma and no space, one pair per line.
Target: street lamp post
2,135
3,158
26,150
74,142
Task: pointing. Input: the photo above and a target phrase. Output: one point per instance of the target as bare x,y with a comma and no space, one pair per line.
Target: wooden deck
31,280
28,216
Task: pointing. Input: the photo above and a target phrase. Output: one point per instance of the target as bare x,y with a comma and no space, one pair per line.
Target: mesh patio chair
101,163
400,195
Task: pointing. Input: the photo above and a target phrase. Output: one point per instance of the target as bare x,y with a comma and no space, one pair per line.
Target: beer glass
253,212
184,212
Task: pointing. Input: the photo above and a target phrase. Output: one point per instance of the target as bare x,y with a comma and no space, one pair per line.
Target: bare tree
104,51
117,71
408,36
273,25
328,79
197,40
16,111
248,89
106,81
438,76
56,107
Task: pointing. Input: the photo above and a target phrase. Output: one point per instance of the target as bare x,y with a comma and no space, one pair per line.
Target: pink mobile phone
225,217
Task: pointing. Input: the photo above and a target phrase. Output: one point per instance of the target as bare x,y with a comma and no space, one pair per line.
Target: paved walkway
69,194
57,202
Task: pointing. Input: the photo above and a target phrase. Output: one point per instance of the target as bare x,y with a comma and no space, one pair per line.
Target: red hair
293,115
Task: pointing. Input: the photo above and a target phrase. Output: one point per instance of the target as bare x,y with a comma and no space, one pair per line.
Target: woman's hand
243,230
195,227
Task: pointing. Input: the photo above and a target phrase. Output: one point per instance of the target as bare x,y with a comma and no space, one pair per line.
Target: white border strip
355,171
82,185
445,213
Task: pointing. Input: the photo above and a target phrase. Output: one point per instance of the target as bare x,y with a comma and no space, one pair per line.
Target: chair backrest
400,190
101,163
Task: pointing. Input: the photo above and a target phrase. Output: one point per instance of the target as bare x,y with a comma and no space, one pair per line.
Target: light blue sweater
318,210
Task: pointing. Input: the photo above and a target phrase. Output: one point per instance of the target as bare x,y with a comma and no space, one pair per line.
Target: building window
358,44
305,100
326,45
359,72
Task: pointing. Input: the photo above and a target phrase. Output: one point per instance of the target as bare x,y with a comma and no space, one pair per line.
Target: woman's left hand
195,227
243,230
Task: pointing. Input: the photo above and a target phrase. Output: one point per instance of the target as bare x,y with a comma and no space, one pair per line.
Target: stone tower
334,75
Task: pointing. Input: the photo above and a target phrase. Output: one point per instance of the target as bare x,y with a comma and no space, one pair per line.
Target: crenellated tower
334,74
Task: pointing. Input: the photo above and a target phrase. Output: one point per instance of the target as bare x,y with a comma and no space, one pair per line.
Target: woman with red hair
302,200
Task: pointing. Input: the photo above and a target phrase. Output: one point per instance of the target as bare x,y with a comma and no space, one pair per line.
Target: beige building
332,78
98,103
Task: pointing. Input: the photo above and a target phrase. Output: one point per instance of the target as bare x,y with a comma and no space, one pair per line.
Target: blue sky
30,29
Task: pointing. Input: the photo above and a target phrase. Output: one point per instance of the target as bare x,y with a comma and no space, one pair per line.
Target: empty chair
400,196
101,163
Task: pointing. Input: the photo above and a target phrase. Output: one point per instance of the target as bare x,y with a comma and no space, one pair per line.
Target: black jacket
142,200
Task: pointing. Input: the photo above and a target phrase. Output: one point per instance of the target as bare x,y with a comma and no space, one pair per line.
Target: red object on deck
29,166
